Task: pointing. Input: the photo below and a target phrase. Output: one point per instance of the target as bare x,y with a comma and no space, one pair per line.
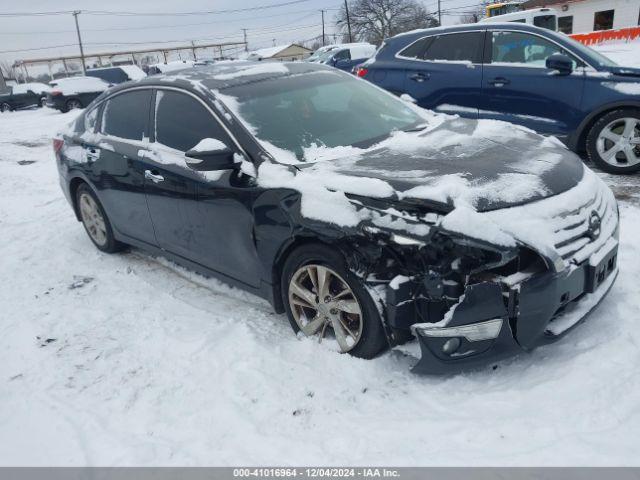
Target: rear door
445,72
118,152
518,87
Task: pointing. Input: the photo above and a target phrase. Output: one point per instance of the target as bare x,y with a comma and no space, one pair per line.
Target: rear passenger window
416,49
182,121
456,47
90,120
127,115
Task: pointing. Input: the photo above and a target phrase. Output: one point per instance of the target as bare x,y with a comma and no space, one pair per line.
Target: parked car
166,67
364,218
119,74
344,56
23,95
74,92
522,74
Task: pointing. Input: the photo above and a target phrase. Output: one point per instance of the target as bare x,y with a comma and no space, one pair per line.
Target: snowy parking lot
128,359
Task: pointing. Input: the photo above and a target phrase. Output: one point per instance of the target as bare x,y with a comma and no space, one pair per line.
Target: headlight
474,333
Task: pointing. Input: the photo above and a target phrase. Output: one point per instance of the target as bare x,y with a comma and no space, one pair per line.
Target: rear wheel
5,107
613,143
73,104
95,220
324,299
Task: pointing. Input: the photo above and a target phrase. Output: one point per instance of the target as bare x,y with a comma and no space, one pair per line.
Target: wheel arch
579,138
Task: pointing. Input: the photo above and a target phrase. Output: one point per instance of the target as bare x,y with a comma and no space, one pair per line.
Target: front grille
573,241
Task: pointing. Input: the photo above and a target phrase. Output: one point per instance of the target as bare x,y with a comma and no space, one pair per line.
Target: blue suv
521,74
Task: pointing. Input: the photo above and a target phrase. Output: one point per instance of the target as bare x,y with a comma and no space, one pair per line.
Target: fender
575,140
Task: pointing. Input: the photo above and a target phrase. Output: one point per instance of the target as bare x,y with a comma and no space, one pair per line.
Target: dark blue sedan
521,74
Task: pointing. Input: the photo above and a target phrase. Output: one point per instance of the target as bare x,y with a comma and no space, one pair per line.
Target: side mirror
210,155
561,63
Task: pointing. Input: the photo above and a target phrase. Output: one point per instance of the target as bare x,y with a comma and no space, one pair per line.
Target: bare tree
6,69
470,18
375,20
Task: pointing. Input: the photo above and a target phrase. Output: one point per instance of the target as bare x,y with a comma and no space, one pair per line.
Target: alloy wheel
73,104
92,219
322,301
618,143
5,107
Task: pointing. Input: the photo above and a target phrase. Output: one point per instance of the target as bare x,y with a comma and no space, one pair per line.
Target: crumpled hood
484,164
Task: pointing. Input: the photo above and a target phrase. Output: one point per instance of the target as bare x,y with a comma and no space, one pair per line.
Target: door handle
499,82
149,175
419,77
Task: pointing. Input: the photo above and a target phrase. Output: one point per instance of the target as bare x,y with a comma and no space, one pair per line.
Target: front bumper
493,321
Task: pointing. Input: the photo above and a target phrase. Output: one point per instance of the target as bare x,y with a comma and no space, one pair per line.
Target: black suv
366,219
24,95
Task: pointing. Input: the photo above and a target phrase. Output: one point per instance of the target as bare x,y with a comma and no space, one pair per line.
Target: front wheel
324,299
613,143
5,107
73,104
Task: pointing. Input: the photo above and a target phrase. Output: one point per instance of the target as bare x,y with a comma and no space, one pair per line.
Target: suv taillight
362,72
57,144
53,93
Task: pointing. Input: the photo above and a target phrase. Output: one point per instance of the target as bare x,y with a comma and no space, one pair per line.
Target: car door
518,88
444,72
117,152
205,217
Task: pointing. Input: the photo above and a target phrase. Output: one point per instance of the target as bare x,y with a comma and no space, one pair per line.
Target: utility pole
75,17
439,14
323,41
246,45
346,7
193,50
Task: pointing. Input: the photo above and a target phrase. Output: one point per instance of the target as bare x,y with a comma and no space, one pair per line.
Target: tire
623,125
73,104
371,338
98,226
5,107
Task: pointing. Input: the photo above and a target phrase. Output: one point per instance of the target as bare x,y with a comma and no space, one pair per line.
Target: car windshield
319,109
317,54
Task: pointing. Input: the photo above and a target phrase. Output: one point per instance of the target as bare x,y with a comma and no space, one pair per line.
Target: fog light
451,346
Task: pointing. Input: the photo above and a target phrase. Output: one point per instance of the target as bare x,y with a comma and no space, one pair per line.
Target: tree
375,20
470,18
6,69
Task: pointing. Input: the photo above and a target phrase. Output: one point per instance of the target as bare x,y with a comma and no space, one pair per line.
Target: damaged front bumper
497,319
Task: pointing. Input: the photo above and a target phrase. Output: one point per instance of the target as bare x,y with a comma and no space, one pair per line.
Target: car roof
468,27
225,74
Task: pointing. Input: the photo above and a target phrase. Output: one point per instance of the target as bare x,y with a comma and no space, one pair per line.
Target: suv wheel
324,299
95,220
5,107
613,143
73,104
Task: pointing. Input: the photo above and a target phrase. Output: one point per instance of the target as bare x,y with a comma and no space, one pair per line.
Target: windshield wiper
417,128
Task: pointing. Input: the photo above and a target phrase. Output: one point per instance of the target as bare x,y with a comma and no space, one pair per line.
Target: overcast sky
283,24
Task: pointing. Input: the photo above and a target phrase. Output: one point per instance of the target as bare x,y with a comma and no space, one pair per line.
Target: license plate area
597,274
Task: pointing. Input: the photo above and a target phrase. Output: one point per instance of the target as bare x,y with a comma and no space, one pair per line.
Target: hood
486,164
624,71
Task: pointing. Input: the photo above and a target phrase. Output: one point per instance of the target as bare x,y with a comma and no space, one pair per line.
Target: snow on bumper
493,320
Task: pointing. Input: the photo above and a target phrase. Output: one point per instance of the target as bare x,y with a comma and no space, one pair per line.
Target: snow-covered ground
130,360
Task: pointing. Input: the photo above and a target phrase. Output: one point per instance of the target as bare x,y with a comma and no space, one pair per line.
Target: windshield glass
319,109
318,53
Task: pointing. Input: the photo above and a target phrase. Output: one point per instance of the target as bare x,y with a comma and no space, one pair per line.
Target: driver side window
181,121
342,55
522,49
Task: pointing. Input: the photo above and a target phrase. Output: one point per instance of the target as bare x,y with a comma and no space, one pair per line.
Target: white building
582,16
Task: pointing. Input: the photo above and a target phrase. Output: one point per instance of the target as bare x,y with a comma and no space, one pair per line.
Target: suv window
127,115
343,55
90,119
455,47
416,49
524,49
182,121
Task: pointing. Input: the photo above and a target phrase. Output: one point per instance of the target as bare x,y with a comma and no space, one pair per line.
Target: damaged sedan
369,221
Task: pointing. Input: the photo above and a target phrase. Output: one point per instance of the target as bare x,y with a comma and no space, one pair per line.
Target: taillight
53,93
362,72
57,144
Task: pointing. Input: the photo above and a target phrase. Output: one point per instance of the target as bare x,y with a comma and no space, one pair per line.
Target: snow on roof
133,72
271,51
73,85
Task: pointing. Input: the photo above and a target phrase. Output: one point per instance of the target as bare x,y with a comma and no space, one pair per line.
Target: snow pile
209,145
75,85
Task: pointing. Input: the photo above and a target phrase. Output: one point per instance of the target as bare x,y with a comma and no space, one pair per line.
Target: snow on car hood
484,164
469,168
